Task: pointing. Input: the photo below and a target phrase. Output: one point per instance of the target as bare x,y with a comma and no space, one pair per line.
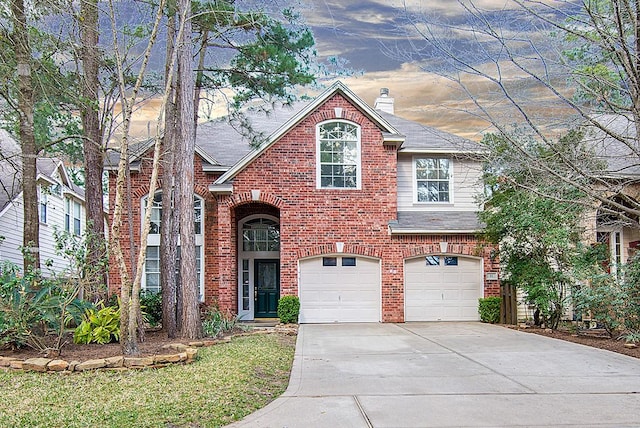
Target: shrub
216,324
151,305
288,309
99,326
611,299
489,309
35,311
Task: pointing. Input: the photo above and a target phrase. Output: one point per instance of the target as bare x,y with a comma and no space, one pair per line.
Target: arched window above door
260,234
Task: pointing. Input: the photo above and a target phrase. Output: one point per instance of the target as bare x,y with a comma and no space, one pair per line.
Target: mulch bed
588,338
152,345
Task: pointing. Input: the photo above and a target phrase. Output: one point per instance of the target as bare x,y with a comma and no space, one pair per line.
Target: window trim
414,180
358,161
199,272
154,238
70,220
43,201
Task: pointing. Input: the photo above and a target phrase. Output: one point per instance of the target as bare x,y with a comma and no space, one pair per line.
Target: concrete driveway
450,375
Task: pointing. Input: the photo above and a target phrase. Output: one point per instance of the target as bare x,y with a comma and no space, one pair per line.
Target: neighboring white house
61,206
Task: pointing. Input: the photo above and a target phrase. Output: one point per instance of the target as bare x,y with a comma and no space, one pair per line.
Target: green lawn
226,383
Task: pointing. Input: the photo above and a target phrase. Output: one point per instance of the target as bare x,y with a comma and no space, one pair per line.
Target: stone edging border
183,354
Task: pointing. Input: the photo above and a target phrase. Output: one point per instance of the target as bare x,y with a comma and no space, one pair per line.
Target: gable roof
11,171
138,149
389,130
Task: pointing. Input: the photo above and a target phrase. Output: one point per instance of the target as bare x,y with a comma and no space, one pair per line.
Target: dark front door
267,288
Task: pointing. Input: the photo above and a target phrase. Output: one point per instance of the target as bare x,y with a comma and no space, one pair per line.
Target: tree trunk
169,227
31,232
191,325
93,152
130,303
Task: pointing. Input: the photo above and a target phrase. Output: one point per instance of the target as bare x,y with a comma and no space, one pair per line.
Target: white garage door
339,289
442,288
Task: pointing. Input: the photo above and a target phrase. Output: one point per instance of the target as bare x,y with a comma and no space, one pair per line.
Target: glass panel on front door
267,288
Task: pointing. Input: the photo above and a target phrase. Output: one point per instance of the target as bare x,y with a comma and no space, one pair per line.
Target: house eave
390,139
67,191
215,168
432,232
221,189
442,151
134,168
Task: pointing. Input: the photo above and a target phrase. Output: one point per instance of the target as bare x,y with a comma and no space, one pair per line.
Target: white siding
11,227
466,185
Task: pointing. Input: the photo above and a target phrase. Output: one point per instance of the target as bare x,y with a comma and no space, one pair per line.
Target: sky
372,36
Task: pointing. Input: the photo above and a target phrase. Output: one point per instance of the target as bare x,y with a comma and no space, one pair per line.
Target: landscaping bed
591,338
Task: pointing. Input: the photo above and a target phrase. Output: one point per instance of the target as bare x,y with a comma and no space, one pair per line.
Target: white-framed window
152,270
151,277
338,155
156,214
72,216
433,180
42,204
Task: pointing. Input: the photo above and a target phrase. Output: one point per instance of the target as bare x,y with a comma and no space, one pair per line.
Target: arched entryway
258,261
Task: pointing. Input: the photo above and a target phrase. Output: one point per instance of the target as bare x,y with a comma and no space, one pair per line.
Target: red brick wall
311,220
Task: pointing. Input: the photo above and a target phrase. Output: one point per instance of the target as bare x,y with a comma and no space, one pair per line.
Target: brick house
365,216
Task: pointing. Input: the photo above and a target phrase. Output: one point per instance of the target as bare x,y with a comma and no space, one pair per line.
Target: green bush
216,324
99,326
288,309
35,311
151,305
612,300
489,309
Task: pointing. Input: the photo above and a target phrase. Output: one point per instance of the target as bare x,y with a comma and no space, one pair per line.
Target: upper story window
433,179
72,216
338,156
261,234
156,214
43,200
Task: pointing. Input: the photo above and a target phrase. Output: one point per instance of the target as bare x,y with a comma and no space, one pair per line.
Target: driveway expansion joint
362,412
468,358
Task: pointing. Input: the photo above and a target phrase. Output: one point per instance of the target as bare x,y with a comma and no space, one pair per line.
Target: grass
226,383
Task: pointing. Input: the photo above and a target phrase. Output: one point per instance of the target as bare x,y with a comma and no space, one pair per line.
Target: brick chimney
384,102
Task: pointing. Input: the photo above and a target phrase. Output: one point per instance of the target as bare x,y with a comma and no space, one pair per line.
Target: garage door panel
339,293
442,292
471,295
450,277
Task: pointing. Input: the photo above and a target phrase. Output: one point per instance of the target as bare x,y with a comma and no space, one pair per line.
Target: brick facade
311,220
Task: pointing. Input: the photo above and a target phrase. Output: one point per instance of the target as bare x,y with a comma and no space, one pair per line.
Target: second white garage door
442,288
339,289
